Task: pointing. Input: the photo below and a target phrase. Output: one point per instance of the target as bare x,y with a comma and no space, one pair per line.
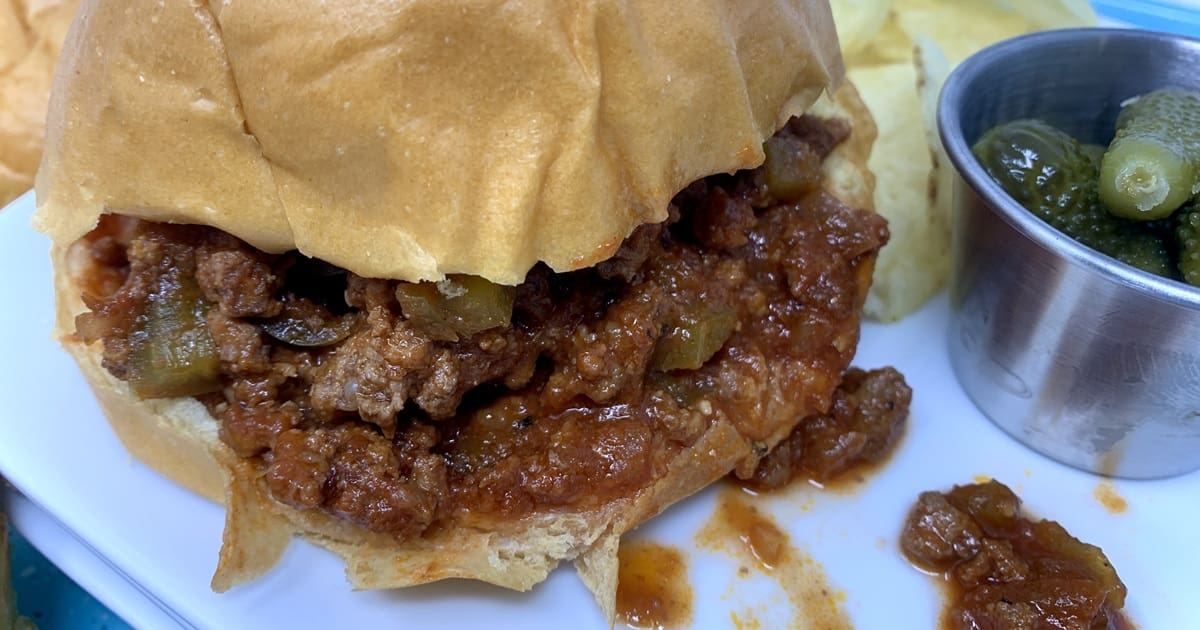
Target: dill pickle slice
1043,168
1152,166
1187,238
459,306
171,352
1051,175
1095,152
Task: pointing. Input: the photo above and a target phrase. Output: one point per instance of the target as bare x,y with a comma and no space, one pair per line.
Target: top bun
409,139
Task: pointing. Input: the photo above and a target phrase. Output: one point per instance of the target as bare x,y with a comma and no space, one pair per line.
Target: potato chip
914,179
49,21
962,27
899,72
933,68
858,21
890,45
905,271
24,94
1047,14
12,183
13,40
31,37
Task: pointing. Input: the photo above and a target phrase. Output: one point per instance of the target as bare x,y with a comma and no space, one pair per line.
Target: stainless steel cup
1089,361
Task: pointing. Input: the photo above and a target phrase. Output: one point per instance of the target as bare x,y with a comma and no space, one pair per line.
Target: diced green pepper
792,168
459,306
172,353
694,339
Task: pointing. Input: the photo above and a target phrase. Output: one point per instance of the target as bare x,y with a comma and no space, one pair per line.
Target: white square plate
162,542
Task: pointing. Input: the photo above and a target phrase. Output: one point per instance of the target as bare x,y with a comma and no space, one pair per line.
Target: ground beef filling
1007,570
861,427
586,395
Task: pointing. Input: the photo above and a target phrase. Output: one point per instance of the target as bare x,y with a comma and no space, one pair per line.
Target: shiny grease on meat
740,308
1007,570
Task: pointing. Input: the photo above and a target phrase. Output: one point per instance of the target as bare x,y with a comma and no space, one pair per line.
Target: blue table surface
54,602
50,598
1180,16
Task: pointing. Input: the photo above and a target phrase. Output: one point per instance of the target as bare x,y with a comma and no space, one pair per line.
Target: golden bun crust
408,140
178,438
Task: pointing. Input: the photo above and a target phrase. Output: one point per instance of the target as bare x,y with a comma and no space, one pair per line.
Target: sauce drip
751,537
1106,493
652,586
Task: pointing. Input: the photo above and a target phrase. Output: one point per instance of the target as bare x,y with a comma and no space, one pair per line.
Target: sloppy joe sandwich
455,289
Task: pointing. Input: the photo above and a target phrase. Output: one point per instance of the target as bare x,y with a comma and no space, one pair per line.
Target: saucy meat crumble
398,406
1007,570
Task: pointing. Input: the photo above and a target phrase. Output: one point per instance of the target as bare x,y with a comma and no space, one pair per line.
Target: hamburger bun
434,138
152,155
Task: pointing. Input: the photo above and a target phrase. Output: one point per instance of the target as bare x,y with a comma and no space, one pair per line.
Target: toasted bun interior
410,140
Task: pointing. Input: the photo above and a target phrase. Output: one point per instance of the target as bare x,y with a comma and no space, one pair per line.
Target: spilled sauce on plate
652,586
759,545
1106,493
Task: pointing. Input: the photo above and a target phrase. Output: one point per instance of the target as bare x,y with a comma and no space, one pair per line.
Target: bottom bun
178,438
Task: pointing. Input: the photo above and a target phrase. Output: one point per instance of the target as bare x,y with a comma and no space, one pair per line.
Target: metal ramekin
1089,361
